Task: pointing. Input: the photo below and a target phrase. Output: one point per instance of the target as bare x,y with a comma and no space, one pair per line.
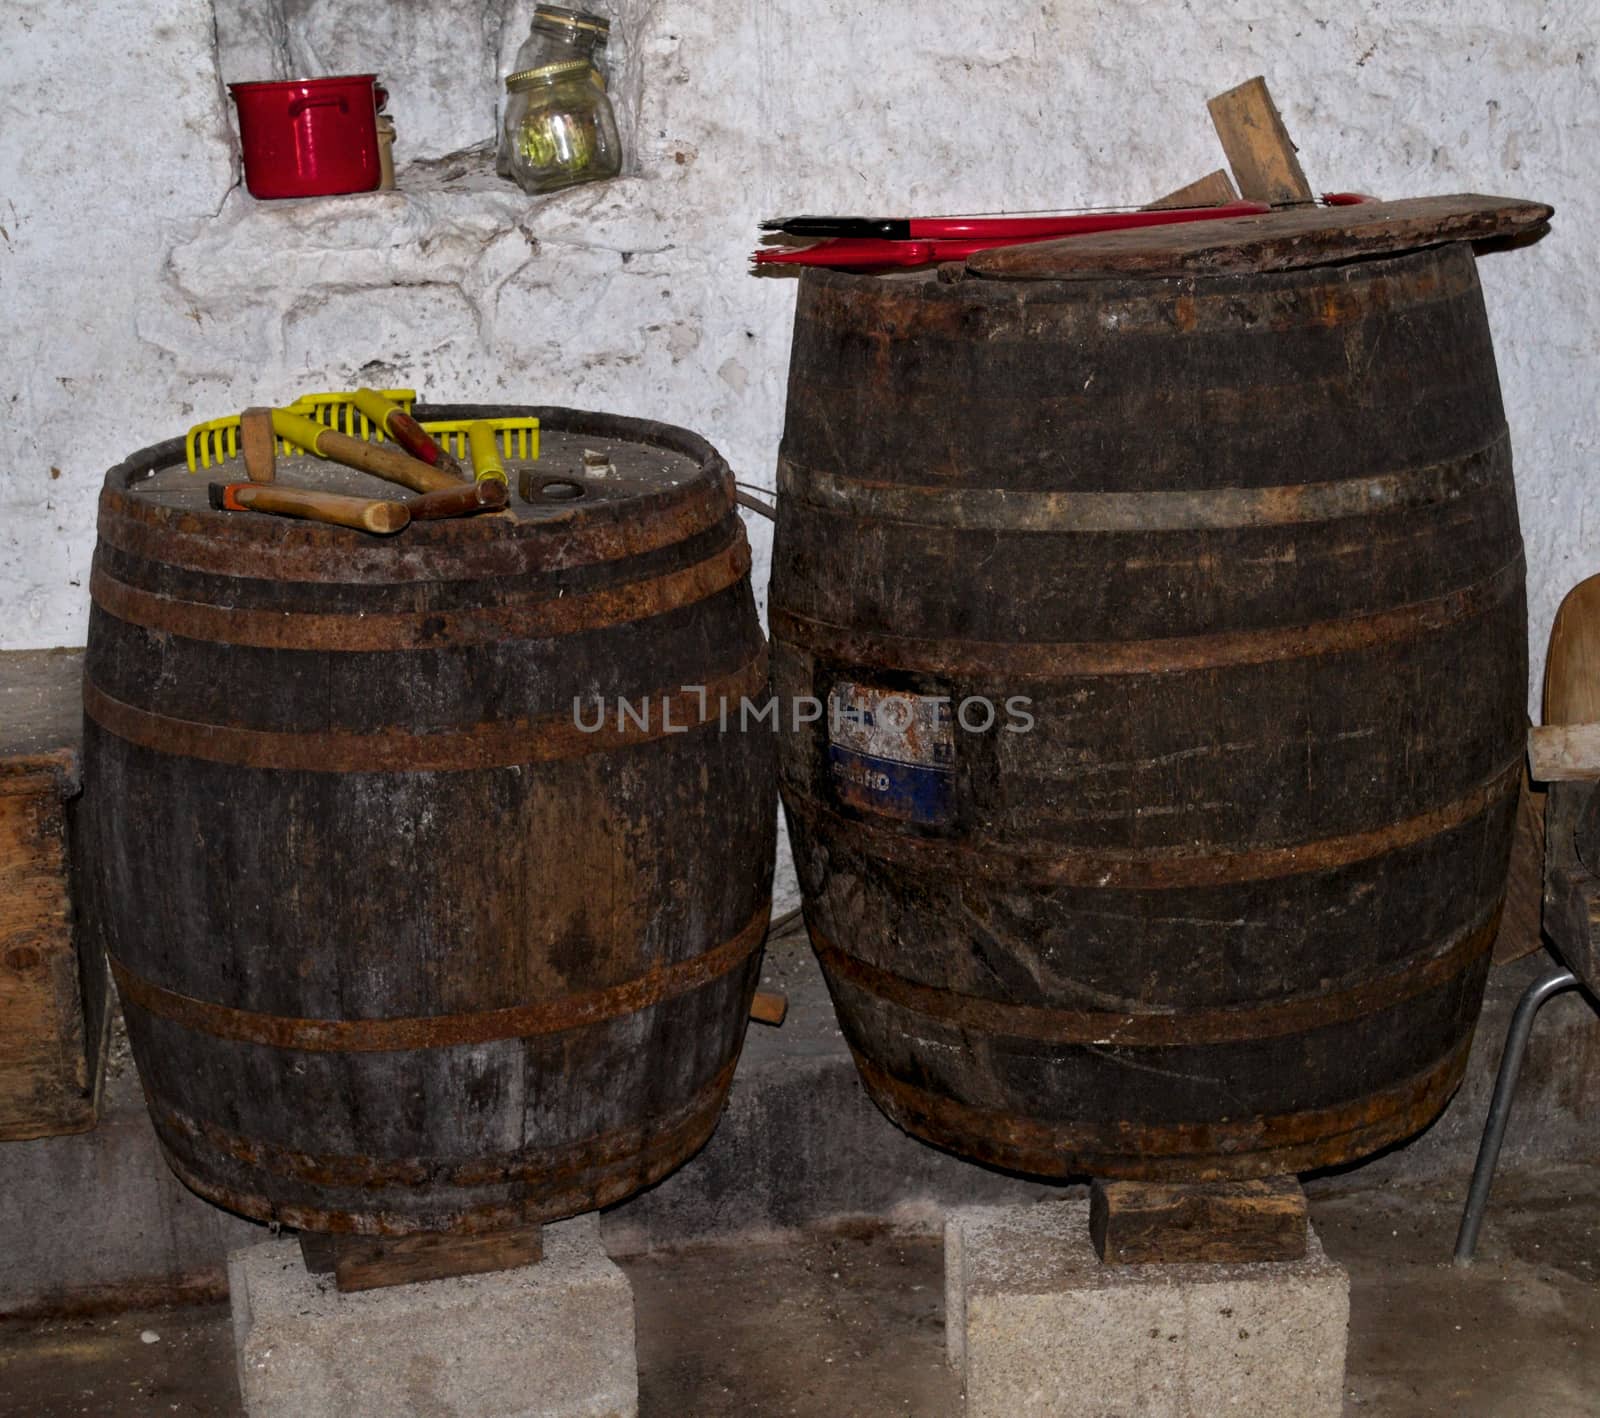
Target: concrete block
552,1340
1039,1327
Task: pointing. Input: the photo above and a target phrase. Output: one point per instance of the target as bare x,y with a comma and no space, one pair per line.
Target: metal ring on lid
545,73
576,19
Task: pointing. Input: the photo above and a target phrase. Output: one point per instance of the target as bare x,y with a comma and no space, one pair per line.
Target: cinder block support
1039,1327
552,1340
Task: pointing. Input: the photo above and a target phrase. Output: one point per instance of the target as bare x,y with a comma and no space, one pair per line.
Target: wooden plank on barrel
1215,189
1273,241
1170,1223
375,1262
1259,149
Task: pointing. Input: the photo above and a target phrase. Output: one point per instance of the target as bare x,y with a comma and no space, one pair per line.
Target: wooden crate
54,1002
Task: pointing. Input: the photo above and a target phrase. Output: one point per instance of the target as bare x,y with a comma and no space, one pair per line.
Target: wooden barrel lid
1280,240
658,486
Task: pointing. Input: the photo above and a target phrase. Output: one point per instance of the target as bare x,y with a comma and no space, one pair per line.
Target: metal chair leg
1505,1086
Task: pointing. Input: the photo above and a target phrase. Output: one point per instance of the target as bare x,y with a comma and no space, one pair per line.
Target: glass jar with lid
559,129
557,35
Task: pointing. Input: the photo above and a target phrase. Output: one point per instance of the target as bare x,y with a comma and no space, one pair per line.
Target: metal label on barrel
892,753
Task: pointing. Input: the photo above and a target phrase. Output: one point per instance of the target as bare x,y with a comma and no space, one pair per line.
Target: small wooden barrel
433,890
1216,898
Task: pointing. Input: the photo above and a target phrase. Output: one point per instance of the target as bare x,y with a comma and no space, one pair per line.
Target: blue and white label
892,753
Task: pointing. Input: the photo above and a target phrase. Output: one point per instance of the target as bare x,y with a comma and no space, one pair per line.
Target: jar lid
546,73
577,19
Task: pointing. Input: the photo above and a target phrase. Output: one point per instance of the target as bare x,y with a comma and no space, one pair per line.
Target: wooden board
1572,667
1520,930
1274,241
1258,146
53,1008
1564,753
319,1252
1215,189
1148,1223
769,1007
376,1262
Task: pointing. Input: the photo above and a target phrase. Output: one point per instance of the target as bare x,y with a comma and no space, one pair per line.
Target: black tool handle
886,228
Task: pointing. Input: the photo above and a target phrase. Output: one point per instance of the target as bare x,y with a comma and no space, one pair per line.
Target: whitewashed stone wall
143,289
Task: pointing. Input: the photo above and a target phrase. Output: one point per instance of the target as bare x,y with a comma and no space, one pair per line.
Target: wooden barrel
1215,898
407,938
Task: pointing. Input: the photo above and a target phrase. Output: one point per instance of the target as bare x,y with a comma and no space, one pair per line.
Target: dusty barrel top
665,483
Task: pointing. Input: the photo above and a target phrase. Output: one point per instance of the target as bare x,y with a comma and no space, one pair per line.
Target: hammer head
258,443
225,496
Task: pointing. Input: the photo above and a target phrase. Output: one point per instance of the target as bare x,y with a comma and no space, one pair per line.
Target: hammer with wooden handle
459,501
364,514
405,431
381,461
259,444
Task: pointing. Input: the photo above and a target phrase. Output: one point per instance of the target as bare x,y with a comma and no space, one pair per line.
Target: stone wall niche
443,63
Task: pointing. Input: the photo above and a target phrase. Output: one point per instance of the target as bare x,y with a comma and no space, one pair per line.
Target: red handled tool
878,253
1064,224
963,236
485,495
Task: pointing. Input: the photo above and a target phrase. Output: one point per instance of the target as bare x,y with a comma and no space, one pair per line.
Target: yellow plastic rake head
218,440
515,437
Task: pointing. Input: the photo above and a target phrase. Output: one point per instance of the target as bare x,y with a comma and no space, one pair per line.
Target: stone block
552,1340
1039,1327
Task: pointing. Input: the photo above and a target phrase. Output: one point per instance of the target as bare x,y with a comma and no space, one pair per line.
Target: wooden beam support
374,1262
1258,146
769,1007
1172,1223
319,1252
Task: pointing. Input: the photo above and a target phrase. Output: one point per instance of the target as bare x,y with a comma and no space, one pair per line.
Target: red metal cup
310,137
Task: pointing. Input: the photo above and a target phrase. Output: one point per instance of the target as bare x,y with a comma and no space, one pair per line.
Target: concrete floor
849,1324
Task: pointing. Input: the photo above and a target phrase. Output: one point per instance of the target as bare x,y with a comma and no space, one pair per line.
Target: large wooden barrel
1217,900
406,938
